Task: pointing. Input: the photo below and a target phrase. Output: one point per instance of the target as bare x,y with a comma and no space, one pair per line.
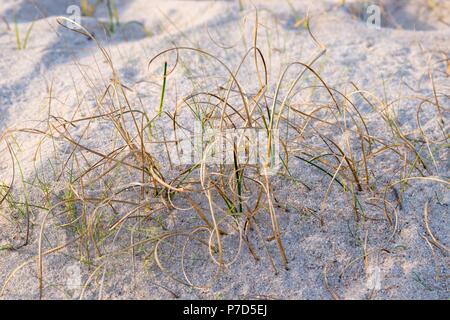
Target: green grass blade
16,31
27,36
163,92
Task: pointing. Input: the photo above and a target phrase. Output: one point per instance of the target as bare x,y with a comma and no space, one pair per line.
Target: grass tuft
124,195
21,44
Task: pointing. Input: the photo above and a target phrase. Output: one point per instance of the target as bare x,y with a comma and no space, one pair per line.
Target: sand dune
403,68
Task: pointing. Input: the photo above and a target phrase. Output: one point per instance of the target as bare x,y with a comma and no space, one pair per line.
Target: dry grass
98,193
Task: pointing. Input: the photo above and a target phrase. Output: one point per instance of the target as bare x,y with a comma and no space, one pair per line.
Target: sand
325,260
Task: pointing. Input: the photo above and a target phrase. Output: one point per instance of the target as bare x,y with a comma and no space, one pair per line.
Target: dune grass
99,192
21,43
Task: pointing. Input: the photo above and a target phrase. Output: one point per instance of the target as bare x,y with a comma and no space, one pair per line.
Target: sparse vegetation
22,44
122,194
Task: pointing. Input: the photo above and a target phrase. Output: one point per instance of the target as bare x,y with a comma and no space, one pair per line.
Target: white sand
393,61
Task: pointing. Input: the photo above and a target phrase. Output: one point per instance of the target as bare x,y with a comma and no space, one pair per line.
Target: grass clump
124,194
21,43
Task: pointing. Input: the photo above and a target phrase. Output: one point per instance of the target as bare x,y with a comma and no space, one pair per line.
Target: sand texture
395,245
